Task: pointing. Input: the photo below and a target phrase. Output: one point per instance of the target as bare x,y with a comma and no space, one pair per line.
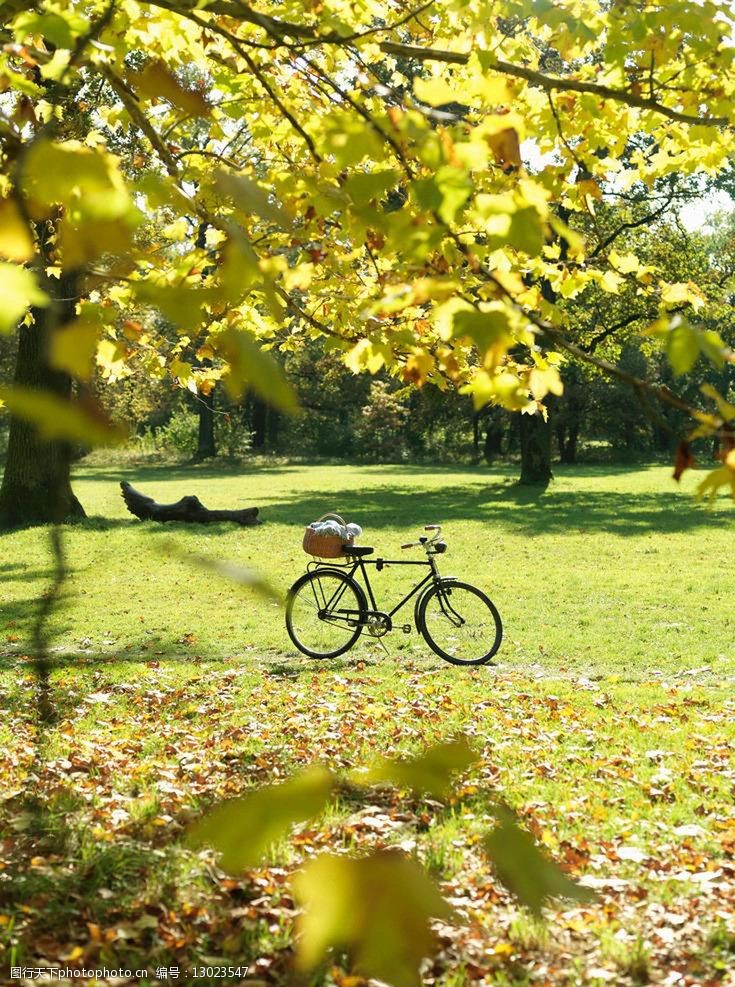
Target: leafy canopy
416,186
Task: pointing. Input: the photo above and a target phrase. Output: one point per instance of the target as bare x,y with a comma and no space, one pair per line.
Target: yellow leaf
87,239
18,292
181,370
70,173
111,358
15,238
681,292
543,382
625,263
435,91
610,282
298,277
365,356
243,829
506,148
418,366
377,907
73,347
589,187
251,198
57,66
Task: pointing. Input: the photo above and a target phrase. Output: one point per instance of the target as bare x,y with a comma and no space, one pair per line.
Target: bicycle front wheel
324,613
460,623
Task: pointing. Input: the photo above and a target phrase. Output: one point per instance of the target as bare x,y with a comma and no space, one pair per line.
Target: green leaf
364,186
712,347
455,189
183,306
61,30
242,830
726,410
248,196
445,193
486,328
251,366
350,139
18,291
239,270
55,418
429,773
378,907
527,872
525,232
682,347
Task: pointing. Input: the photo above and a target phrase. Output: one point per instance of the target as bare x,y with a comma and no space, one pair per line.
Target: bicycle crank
378,624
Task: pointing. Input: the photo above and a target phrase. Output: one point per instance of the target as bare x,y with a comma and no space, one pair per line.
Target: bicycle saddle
358,550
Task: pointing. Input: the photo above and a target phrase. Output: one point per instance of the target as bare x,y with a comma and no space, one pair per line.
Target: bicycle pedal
406,628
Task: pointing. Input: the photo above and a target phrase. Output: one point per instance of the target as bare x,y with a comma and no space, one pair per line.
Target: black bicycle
327,609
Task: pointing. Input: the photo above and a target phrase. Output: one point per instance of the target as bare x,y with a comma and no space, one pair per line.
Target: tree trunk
535,450
206,443
567,440
259,423
493,438
36,487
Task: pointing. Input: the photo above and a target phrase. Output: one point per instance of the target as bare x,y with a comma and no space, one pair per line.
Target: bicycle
327,608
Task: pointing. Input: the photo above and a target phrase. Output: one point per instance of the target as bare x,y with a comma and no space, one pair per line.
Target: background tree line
386,418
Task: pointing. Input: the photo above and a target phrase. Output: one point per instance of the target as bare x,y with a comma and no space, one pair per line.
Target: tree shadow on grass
18,572
161,473
506,507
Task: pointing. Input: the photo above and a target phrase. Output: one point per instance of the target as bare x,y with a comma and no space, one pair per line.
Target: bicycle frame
361,564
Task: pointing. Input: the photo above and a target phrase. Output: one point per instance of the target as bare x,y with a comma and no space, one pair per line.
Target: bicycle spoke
323,614
460,624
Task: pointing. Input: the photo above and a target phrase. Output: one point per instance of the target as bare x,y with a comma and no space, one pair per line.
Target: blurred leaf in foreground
56,418
378,907
230,571
527,872
243,829
253,367
18,291
430,773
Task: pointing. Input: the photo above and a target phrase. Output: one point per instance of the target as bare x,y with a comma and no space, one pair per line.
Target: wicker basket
326,546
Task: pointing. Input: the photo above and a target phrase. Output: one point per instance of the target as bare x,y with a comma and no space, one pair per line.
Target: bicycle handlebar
437,528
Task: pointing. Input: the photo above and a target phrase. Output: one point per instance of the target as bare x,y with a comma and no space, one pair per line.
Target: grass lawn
607,721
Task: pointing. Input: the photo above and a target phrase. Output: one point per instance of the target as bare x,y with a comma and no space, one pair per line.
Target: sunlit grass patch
607,724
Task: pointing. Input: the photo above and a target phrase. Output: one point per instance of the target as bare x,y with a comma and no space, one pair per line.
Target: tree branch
649,217
131,104
550,83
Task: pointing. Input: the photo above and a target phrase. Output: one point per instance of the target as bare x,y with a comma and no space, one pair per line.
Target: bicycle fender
419,598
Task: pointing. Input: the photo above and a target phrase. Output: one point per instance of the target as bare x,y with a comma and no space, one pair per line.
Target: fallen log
186,509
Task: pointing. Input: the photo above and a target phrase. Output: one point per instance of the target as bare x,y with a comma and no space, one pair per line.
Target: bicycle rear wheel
460,623
324,613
